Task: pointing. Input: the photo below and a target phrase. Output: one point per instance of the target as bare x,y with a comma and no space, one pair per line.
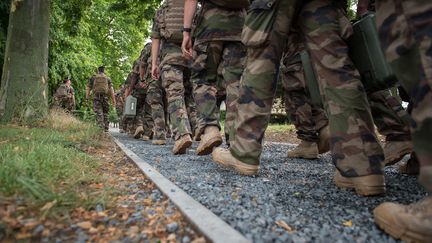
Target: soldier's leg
105,111
356,150
191,106
140,106
148,123
405,28
172,81
97,108
234,54
204,77
388,115
257,86
154,98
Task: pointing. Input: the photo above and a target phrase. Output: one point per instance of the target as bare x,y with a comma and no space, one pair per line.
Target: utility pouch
368,57
130,106
311,79
259,22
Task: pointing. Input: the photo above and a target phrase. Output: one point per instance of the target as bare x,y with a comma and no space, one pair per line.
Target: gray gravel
299,192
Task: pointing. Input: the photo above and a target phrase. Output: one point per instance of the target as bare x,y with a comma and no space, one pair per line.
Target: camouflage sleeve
156,26
72,90
136,66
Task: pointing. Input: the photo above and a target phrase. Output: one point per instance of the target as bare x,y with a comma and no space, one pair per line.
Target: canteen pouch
130,106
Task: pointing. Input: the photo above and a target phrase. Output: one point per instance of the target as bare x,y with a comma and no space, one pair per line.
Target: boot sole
183,148
399,232
394,159
208,148
363,190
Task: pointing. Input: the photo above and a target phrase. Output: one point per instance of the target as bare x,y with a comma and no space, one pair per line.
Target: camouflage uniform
307,118
67,101
405,31
355,147
154,96
101,105
173,68
217,49
119,108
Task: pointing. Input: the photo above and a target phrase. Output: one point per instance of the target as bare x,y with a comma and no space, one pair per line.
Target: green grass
280,127
47,164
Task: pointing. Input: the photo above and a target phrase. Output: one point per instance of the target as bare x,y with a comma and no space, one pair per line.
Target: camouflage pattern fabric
101,108
218,63
307,118
214,23
405,30
389,116
354,145
209,57
173,66
154,99
65,102
119,108
264,34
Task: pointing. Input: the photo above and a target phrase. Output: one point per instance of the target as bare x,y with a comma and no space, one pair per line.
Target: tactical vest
230,4
62,91
100,84
171,20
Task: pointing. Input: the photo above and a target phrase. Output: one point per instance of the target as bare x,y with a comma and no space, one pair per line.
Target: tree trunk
24,82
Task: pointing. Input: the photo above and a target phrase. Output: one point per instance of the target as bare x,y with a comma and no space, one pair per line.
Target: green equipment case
368,57
311,80
130,106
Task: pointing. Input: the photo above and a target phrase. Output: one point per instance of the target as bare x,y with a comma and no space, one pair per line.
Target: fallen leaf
199,240
48,206
348,223
93,230
85,225
171,238
21,236
284,226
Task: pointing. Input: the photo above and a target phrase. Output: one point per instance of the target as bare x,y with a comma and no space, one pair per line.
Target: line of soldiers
224,53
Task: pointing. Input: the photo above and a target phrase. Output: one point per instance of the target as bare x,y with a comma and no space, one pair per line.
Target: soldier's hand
155,72
187,45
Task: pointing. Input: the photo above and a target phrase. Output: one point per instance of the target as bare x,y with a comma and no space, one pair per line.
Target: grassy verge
46,166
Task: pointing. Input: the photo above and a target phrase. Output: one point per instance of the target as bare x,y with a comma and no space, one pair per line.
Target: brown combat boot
182,144
224,158
410,167
410,223
305,150
146,138
324,140
370,185
210,139
138,132
159,142
394,151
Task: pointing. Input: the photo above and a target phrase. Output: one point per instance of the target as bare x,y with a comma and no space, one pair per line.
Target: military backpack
62,91
100,84
171,20
234,5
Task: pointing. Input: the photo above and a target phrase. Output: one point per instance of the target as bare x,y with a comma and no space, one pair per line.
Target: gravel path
297,192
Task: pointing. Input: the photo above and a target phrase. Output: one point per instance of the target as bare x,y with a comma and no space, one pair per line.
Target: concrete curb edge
207,223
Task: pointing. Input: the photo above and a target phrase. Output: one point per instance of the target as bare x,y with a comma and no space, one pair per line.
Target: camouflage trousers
307,118
155,100
101,108
64,103
216,71
405,30
389,116
355,148
173,81
119,110
144,115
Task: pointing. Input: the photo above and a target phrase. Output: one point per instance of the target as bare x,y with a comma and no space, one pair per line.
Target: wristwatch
187,30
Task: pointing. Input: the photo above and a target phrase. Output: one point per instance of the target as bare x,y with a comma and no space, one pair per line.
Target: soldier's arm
362,7
189,13
113,97
155,54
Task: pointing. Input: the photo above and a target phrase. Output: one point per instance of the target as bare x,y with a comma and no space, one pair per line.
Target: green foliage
86,34
45,164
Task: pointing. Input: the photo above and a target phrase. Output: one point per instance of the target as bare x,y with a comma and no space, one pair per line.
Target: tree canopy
85,34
